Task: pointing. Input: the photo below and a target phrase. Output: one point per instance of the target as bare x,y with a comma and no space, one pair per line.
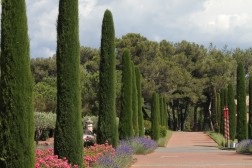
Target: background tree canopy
183,72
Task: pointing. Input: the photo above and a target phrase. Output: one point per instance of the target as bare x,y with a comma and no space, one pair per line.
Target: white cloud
202,21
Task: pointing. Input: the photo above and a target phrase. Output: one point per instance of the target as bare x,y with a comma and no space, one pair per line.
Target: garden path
192,150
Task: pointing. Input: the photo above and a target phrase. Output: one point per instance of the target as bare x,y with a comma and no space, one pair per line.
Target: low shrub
245,146
140,145
163,131
46,158
163,141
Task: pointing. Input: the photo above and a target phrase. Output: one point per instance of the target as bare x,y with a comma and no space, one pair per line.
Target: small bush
163,131
245,146
163,141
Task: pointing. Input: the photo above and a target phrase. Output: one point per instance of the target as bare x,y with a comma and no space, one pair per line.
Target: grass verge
217,137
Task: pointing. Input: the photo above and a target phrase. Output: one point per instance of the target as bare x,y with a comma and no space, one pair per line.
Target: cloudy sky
222,22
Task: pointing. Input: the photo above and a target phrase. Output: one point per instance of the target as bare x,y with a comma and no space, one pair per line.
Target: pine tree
107,128
250,109
69,130
155,117
232,112
16,106
126,124
139,94
134,102
242,127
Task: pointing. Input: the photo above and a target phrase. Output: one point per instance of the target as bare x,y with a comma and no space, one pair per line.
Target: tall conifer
134,102
155,117
107,128
250,109
69,130
16,106
125,124
139,94
242,126
232,112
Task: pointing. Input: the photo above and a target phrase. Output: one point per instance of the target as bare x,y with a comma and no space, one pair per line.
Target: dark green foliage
218,114
222,105
125,124
68,132
107,129
232,112
139,94
16,106
242,127
155,117
134,102
165,113
161,110
250,109
214,110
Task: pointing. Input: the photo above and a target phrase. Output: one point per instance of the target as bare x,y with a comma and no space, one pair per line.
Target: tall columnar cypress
232,112
242,126
155,117
107,128
165,113
126,124
218,114
16,106
250,109
139,94
69,130
214,110
161,110
134,102
222,105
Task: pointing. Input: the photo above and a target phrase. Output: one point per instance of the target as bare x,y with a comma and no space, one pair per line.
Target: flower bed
100,156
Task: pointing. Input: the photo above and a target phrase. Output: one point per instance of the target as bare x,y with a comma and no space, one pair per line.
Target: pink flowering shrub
93,153
47,159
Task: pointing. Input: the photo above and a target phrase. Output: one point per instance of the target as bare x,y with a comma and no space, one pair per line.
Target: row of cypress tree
16,112
131,117
238,126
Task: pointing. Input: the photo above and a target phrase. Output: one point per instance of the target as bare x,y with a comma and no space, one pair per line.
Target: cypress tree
139,94
155,117
165,113
214,110
222,104
125,124
16,106
161,110
242,127
232,112
69,130
218,114
250,109
107,128
134,102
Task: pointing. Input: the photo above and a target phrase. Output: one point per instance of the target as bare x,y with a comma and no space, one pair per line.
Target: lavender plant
245,146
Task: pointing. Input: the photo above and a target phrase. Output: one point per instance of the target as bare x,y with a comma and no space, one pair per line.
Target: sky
221,22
